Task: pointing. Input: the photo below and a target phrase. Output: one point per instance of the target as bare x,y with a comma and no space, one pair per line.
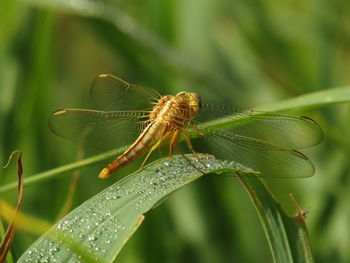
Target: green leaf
287,236
99,228
103,224
312,100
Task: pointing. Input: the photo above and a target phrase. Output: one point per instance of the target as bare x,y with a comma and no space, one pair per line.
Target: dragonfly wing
112,93
98,131
261,156
284,130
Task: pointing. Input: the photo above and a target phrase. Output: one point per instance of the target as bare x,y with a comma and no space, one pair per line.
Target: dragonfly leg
190,146
188,141
174,141
191,163
173,144
155,146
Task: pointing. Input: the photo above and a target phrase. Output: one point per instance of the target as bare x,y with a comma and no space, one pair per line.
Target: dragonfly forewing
113,94
98,131
284,130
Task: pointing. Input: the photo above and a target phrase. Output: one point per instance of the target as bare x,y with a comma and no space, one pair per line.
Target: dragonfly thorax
175,111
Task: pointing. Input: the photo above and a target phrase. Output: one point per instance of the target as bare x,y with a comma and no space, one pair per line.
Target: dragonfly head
192,100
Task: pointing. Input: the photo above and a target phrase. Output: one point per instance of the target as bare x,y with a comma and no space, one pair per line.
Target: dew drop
92,238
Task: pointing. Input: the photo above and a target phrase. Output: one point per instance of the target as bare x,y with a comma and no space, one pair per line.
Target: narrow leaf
24,222
10,233
99,228
287,236
312,100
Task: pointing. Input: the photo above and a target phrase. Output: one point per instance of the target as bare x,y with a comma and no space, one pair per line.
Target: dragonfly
140,120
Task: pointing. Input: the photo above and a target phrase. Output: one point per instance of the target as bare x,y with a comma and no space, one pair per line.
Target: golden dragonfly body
141,117
169,116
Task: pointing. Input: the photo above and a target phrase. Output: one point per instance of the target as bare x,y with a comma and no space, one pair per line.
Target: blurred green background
243,52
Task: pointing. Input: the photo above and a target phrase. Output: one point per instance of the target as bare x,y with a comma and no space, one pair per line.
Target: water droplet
92,238
108,213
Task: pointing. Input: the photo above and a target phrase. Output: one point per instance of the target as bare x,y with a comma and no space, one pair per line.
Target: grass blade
98,229
287,236
312,100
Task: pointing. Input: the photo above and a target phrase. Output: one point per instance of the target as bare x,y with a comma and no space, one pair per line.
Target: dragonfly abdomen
149,136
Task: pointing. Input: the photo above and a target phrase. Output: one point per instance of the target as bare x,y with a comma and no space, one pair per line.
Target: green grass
98,229
247,53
